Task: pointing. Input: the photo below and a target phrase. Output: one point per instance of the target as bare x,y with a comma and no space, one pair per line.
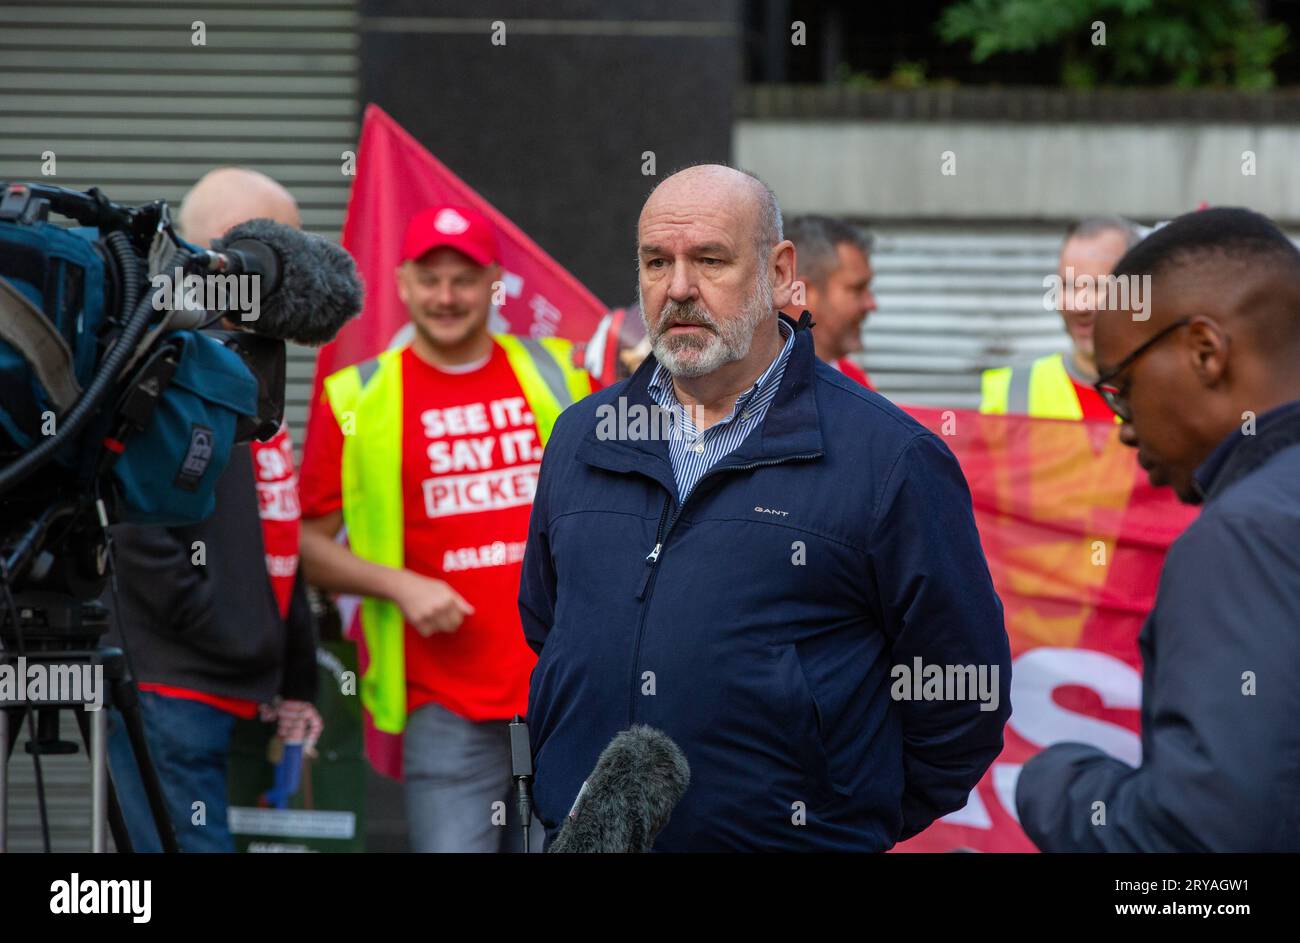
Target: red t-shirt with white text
277,496
470,459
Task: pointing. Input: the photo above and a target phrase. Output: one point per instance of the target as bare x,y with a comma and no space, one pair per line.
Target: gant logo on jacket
763,510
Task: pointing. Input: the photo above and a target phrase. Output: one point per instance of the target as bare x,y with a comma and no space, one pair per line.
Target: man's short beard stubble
689,355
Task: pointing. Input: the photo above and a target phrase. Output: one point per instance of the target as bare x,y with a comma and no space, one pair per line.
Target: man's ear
782,260
402,273
1208,345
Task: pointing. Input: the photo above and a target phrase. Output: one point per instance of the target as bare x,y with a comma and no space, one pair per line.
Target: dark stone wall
551,127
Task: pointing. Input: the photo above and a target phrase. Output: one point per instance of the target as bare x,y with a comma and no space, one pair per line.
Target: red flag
1075,538
396,178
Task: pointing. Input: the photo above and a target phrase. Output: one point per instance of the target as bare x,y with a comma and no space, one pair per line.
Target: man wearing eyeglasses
1208,390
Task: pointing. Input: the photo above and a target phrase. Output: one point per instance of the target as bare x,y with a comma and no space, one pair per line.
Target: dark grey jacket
1221,681
213,627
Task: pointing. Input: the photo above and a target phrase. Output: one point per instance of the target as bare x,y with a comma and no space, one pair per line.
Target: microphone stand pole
521,769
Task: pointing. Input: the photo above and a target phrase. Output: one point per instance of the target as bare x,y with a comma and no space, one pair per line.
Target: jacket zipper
661,537
653,557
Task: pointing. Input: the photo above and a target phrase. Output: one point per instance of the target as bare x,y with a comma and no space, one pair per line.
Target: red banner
1075,538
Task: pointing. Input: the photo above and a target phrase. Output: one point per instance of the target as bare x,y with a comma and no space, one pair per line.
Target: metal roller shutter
955,300
125,101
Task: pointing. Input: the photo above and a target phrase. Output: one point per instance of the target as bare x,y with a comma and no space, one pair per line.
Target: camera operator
216,621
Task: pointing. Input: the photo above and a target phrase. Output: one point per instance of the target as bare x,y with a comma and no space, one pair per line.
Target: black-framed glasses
1109,392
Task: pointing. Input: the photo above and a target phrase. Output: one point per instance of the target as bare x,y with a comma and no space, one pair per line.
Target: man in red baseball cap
432,464
448,267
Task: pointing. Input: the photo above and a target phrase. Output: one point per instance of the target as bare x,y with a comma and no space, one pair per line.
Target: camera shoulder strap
27,330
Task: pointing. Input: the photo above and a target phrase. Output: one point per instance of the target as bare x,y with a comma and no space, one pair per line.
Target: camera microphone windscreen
310,285
627,800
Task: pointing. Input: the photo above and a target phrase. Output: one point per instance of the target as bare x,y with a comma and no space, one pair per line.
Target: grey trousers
459,794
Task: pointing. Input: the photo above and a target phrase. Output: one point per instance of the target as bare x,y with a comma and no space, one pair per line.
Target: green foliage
1188,43
905,74
845,75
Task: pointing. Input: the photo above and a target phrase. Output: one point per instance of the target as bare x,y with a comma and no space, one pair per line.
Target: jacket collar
791,428
1238,455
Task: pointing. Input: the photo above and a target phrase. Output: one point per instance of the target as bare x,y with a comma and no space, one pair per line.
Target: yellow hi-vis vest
367,402
1042,389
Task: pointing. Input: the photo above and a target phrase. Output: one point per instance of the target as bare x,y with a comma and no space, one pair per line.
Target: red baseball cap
459,227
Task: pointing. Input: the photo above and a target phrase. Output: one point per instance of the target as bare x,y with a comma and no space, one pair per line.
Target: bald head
228,196
715,186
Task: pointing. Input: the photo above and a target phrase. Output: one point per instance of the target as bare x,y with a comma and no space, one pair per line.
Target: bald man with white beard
742,548
226,634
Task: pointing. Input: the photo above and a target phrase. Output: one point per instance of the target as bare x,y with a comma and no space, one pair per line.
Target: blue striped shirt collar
693,453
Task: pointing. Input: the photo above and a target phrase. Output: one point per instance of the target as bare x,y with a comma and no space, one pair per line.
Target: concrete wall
880,169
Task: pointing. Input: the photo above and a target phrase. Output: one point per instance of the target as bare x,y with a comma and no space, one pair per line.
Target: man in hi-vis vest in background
431,462
1059,386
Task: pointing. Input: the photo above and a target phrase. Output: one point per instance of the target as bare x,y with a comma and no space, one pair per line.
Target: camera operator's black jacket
213,627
